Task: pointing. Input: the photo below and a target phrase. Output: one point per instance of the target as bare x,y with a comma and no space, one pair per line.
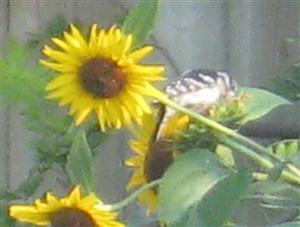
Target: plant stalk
267,164
120,205
234,135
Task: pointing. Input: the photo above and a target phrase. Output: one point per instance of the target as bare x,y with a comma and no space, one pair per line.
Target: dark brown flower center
158,160
70,217
102,77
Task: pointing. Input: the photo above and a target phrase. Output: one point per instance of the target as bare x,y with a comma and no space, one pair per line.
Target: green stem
230,133
285,175
247,152
119,205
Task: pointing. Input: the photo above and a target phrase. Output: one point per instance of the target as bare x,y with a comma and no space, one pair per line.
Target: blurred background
257,42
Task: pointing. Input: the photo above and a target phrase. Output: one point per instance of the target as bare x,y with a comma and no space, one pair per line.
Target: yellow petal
127,44
28,214
61,57
111,109
101,117
147,69
111,30
141,101
140,53
67,90
60,80
50,198
131,106
66,100
100,41
135,161
74,196
71,40
88,202
60,43
125,114
117,36
111,224
77,35
57,66
93,40
136,179
149,198
72,47
82,115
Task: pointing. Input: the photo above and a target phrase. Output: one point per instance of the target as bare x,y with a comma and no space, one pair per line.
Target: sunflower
73,210
102,75
153,157
175,125
141,147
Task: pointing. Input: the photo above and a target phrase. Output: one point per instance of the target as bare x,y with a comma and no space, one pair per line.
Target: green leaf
197,191
140,21
267,202
79,162
260,102
21,82
275,202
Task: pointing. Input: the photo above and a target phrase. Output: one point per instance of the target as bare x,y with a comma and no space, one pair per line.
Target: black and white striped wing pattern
198,89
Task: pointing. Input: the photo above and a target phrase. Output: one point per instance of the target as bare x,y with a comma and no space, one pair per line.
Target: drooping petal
29,214
140,53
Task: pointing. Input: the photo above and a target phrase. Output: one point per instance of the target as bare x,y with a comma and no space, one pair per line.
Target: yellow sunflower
101,74
141,146
152,157
73,210
175,125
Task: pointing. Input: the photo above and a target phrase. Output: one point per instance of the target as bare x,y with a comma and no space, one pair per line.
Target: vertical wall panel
4,126
22,21
193,32
252,48
257,33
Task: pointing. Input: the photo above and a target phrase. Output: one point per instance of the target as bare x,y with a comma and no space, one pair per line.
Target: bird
195,89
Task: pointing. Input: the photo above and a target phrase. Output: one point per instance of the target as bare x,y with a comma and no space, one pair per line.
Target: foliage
231,113
79,162
250,104
22,82
197,191
140,21
270,202
260,102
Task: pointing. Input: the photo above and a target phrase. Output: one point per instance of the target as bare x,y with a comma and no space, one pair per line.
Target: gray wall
243,37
